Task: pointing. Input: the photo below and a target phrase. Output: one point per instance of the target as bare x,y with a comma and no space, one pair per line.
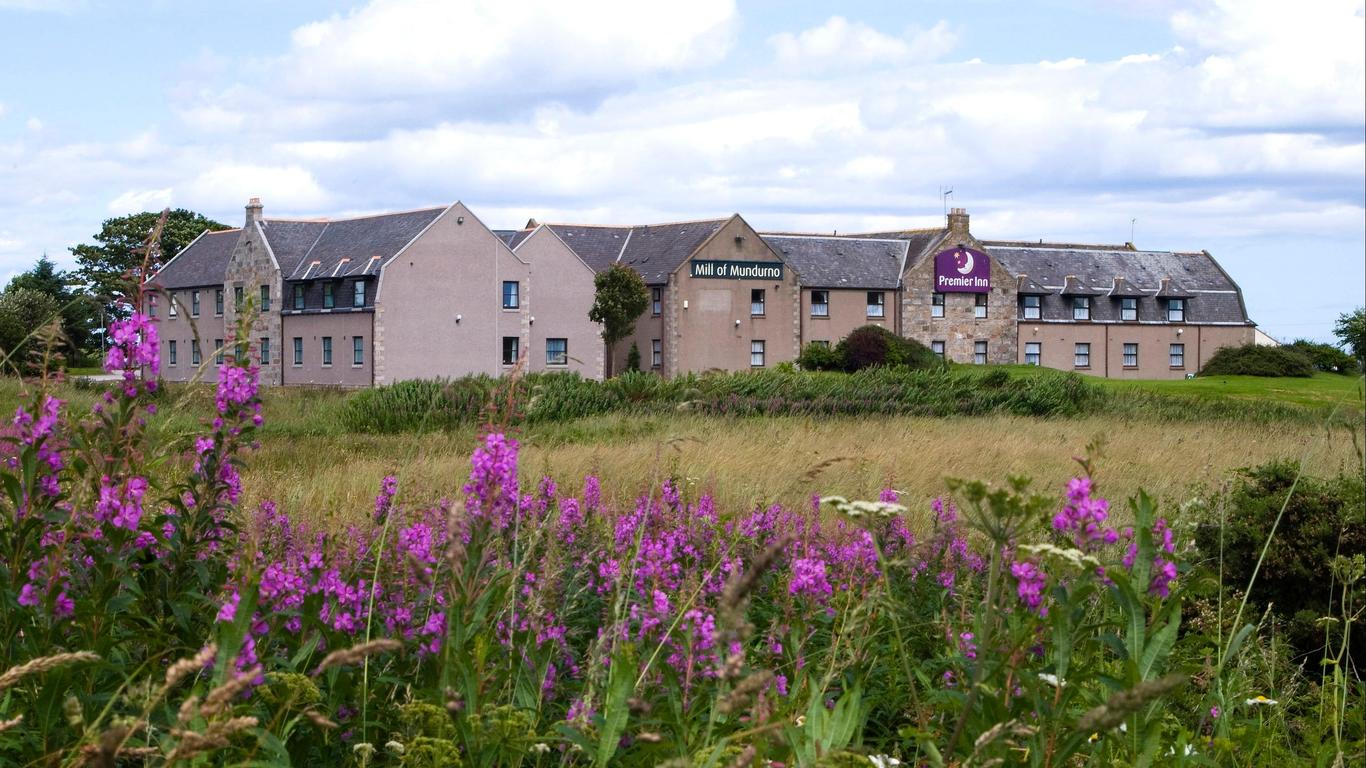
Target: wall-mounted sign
736,270
962,270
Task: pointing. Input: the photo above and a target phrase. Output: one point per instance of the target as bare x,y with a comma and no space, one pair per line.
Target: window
1176,310
936,305
195,358
820,303
329,296
358,294
510,298
557,351
875,299
218,303
1130,355
265,298
327,351
756,302
756,354
656,301
1178,355
152,305
298,350
194,303
979,352
265,351
239,352
979,306
656,353
937,347
1081,356
170,302
825,343
218,349
1033,351
510,350
1081,307
357,350
170,351
1128,309
1031,307
299,296
237,298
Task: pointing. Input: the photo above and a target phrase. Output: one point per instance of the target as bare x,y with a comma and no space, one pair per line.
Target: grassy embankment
1165,436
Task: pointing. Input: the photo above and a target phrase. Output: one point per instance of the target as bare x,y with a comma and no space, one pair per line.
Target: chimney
253,210
958,222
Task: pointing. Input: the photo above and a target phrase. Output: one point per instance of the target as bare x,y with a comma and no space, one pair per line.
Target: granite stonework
251,266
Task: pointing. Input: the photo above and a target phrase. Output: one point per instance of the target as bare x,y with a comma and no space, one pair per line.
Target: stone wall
251,266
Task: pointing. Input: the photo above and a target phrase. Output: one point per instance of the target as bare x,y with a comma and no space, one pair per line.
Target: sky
1234,126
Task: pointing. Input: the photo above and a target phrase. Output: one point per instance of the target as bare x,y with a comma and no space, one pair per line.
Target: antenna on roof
944,194
1131,230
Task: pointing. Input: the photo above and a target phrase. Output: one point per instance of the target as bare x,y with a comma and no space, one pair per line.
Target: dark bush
819,356
1324,518
1254,360
874,346
1325,357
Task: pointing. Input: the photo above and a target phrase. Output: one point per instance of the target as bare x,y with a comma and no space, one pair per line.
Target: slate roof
842,262
1124,289
653,250
1028,286
350,247
1213,296
203,262
597,246
918,241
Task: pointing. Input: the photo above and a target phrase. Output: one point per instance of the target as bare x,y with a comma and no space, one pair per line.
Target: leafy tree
620,296
1351,332
111,265
22,312
79,310
1325,357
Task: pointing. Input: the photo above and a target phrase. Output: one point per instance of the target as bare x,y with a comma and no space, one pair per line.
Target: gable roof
597,246
918,241
347,247
829,261
653,250
201,263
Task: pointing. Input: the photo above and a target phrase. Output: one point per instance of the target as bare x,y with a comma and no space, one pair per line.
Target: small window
979,307
1033,351
1081,356
218,303
756,302
823,343
979,352
218,348
265,351
1081,307
265,298
1130,355
510,351
299,296
1128,309
327,351
152,305
1177,353
171,303
875,303
1176,310
511,299
656,353
656,301
329,296
298,350
239,352
820,303
1031,307
936,305
557,351
195,358
237,298
358,294
937,347
756,354
357,350
194,303
170,351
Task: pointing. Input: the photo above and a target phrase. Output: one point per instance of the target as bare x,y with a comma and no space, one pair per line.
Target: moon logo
967,264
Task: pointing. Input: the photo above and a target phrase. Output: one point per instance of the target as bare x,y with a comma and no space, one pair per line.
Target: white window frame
1081,354
194,303
170,302
171,355
357,351
756,353
326,352
1036,353
195,357
298,351
820,308
937,303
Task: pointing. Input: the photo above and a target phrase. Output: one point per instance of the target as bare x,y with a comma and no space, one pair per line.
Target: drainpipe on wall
1107,351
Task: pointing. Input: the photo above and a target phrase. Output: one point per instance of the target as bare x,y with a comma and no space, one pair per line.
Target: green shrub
1326,357
1324,518
1254,360
873,345
819,356
633,358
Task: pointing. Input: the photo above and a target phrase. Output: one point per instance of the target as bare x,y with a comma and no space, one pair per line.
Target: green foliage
114,262
1255,360
79,312
619,297
1326,357
633,358
819,356
24,312
1323,519
1350,329
873,345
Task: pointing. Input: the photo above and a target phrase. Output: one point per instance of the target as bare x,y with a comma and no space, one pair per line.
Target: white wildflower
395,747
540,747
857,509
1053,680
1261,701
1072,557
883,761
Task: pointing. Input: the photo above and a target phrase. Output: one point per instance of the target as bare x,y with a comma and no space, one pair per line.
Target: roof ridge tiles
638,226
1065,246
338,220
845,238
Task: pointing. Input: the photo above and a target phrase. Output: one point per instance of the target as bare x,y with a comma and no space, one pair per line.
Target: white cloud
33,124
138,200
839,44
230,185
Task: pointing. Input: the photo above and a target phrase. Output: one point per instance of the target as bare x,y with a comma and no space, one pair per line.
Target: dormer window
1081,307
1176,310
1031,305
1128,309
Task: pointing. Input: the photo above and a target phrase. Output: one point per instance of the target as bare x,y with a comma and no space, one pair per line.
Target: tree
112,265
80,312
619,297
1351,332
24,311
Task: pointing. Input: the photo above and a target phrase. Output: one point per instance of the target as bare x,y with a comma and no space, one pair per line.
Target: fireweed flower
1083,517
491,492
808,578
387,489
1029,585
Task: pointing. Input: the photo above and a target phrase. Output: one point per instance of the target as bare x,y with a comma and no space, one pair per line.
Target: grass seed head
345,657
43,664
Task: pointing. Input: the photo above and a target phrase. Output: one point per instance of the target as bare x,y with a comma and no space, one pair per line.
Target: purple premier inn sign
962,270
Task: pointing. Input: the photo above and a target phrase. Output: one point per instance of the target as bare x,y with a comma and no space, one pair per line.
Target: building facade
435,293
